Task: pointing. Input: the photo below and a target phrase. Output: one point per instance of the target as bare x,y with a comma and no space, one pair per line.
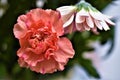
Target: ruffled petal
56,21
30,58
22,62
65,51
20,28
46,66
38,14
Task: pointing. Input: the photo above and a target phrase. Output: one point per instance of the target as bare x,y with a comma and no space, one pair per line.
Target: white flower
84,17
67,14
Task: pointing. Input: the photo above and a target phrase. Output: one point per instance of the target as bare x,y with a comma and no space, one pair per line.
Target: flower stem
82,0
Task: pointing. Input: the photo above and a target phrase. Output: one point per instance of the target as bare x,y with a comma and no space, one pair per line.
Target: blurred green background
11,9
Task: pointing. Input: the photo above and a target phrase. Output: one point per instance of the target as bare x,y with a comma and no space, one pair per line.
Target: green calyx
86,6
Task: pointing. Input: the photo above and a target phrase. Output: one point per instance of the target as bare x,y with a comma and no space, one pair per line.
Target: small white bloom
84,17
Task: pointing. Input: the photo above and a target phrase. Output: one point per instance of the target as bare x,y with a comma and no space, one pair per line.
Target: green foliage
9,68
80,46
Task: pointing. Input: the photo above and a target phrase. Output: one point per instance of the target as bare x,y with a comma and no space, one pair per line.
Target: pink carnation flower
42,50
83,17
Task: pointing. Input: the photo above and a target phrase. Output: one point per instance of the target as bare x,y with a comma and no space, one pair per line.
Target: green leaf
90,69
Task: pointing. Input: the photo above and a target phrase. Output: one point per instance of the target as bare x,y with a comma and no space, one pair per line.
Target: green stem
82,0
